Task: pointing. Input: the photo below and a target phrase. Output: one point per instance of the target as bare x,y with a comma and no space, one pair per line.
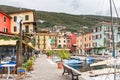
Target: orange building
85,42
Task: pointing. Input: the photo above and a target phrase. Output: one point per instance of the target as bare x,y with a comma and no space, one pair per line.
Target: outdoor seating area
8,68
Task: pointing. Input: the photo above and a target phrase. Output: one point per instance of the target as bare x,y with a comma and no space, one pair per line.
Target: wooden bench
69,70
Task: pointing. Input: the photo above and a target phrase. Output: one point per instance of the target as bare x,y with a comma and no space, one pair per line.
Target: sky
77,7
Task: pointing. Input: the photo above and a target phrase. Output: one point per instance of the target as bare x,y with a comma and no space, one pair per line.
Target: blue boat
90,60
75,63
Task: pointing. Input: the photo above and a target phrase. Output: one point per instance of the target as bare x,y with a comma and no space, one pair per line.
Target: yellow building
43,41
28,25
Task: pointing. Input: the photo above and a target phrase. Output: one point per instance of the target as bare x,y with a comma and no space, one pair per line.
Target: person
36,53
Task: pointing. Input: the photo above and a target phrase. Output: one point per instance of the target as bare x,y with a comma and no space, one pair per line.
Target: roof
5,14
7,42
21,11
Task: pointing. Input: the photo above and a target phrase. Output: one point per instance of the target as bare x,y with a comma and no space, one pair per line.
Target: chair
21,71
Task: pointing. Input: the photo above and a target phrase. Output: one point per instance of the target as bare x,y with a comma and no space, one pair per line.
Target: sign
52,40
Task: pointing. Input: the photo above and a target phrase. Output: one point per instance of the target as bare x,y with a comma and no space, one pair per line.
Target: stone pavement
45,69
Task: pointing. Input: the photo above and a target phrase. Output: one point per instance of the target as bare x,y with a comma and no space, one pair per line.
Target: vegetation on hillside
72,22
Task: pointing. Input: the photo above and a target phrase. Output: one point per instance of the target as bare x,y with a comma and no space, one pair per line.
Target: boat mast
113,44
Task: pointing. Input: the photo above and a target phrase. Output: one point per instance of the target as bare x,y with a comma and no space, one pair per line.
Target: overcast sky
78,7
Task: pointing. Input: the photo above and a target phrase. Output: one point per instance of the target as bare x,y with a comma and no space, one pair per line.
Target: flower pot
60,65
49,57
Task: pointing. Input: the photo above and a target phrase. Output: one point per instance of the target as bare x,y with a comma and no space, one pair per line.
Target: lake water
84,66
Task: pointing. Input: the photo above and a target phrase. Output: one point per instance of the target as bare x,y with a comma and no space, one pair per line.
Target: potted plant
63,54
50,53
29,65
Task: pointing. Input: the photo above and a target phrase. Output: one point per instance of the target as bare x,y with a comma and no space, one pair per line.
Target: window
64,41
118,28
15,18
26,17
4,19
27,29
89,45
59,46
94,44
44,46
64,46
5,30
68,41
85,39
100,35
15,28
96,30
59,41
96,36
89,38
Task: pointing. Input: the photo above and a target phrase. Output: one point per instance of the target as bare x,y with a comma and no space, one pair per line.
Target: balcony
107,32
108,40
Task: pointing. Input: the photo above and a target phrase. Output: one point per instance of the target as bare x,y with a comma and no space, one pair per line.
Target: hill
72,22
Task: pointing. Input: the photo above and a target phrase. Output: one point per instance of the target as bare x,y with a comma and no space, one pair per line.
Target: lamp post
19,54
113,45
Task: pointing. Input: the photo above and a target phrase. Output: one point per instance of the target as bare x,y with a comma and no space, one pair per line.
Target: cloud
75,4
66,6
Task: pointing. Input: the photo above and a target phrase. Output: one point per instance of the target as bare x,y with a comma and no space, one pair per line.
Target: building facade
5,22
85,43
28,21
102,37
45,41
61,40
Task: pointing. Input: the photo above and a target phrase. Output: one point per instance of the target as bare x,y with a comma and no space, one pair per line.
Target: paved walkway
45,69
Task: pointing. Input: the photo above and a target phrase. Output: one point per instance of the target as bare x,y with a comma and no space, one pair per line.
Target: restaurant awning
29,44
8,42
87,49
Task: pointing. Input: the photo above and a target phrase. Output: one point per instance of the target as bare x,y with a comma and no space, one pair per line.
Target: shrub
50,52
63,54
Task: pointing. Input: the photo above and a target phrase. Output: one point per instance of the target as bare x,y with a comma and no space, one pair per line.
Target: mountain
72,22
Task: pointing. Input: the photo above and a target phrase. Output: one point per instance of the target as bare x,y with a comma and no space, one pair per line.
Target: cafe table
8,67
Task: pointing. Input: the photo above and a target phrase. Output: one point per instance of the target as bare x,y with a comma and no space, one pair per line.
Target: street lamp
19,54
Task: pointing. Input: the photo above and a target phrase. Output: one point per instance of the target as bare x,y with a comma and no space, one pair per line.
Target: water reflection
84,66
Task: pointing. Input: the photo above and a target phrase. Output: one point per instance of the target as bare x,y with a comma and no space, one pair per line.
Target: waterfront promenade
46,69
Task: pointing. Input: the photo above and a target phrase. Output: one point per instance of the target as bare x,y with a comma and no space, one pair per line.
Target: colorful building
45,40
61,40
102,37
85,43
5,22
71,41
28,21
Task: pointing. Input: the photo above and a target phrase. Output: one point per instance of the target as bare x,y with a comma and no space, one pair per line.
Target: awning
57,49
29,44
87,49
8,42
